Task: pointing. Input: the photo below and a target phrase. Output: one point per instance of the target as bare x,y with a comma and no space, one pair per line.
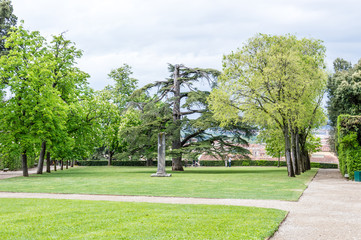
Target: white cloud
149,34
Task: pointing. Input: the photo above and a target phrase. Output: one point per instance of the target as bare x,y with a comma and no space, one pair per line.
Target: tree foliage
42,85
190,125
7,21
344,90
275,80
116,97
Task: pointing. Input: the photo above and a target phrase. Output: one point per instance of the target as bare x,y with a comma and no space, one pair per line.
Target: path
10,174
330,208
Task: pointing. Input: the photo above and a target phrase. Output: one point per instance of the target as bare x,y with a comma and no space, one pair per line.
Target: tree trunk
149,162
176,144
67,164
48,162
295,160
55,163
279,159
61,165
298,152
306,165
72,163
24,161
290,171
41,158
308,162
111,154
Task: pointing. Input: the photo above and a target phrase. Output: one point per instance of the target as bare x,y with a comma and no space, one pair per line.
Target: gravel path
330,208
10,174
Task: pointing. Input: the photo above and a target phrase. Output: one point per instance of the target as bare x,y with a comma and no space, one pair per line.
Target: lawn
74,219
211,182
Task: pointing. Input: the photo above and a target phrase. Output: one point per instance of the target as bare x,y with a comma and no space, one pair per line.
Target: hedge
203,163
348,144
118,163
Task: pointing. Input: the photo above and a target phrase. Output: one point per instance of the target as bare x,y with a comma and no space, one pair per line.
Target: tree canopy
274,80
7,21
344,90
188,122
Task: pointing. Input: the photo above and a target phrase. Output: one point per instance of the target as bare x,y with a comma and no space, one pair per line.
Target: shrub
219,163
11,162
348,144
118,163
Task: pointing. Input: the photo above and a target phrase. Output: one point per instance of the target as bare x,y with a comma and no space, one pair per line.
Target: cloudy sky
149,34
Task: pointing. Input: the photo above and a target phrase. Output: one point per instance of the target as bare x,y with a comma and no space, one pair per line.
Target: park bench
6,169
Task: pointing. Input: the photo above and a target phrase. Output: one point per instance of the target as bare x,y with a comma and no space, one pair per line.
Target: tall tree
7,21
273,80
116,97
140,126
344,90
33,101
191,117
67,79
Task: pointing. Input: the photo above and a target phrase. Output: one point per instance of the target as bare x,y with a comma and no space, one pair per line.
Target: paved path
10,174
330,208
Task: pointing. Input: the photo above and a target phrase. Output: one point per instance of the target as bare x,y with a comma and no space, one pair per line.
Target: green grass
211,182
74,219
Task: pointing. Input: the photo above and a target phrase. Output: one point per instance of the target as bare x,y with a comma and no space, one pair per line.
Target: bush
219,163
92,163
11,162
118,163
348,144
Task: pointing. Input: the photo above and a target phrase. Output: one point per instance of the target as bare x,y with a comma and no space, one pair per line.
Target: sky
147,35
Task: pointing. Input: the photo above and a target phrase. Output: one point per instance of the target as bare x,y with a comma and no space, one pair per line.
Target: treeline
273,83
48,111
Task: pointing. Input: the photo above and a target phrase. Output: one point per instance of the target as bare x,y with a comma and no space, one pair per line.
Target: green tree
68,80
33,108
140,126
116,97
344,90
84,127
274,140
7,21
274,80
191,117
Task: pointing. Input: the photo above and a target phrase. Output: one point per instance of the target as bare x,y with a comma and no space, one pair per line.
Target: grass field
74,219
211,182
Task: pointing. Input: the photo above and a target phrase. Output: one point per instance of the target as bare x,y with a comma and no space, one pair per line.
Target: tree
344,90
191,117
141,124
33,108
68,80
116,97
7,21
274,140
274,80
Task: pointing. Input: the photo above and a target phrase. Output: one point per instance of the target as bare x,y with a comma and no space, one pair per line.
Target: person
199,159
229,161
